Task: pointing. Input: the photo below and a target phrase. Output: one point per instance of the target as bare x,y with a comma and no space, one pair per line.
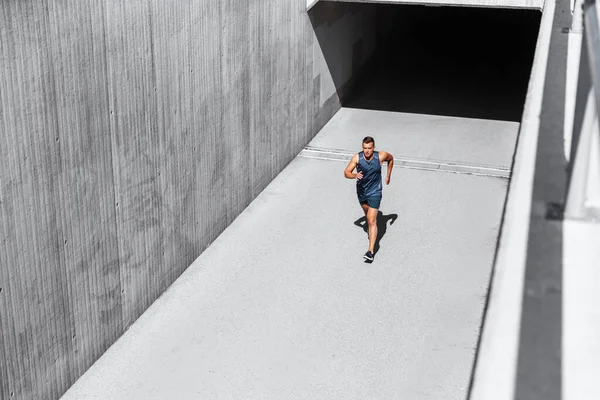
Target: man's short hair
369,139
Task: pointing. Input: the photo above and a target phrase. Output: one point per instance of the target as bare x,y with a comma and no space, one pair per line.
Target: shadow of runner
382,221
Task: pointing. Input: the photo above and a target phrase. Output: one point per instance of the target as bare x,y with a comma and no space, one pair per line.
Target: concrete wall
344,42
133,133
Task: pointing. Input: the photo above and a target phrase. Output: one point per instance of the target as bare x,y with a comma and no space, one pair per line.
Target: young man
368,184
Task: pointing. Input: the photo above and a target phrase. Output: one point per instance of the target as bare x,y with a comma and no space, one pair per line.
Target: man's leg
372,221
365,208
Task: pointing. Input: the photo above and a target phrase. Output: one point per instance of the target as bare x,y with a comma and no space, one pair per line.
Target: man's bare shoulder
384,155
352,163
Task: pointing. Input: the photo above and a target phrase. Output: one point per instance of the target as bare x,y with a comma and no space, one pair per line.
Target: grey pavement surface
419,136
282,306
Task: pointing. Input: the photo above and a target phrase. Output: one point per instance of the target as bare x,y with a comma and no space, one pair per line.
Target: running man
368,184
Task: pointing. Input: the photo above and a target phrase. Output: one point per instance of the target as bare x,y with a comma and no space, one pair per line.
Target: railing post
583,197
576,197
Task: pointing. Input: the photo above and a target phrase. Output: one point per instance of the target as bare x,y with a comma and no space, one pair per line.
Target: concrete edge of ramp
515,4
495,370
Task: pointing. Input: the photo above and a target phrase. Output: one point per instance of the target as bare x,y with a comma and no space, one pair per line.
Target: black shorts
372,202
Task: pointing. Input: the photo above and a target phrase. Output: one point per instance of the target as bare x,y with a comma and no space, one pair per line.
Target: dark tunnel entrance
453,61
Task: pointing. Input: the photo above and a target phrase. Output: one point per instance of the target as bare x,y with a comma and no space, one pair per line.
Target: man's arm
389,158
348,172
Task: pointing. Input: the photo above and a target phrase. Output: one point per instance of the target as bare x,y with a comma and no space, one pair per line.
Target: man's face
368,149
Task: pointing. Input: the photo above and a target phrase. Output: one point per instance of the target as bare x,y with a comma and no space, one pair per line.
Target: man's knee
372,221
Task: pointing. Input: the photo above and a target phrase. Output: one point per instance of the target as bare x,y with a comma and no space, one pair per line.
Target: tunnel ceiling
518,4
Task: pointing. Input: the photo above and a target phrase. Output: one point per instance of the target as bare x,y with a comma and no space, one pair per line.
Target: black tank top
370,184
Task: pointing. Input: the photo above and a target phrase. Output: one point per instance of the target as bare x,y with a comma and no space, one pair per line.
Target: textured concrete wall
344,40
133,133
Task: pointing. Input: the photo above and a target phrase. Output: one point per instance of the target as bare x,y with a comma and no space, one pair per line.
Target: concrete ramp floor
282,306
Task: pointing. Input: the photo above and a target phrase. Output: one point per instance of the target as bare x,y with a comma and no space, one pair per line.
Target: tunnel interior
452,61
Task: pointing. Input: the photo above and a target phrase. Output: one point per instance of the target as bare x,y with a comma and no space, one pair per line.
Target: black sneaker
369,256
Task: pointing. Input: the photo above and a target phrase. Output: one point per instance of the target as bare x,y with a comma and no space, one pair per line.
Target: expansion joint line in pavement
321,153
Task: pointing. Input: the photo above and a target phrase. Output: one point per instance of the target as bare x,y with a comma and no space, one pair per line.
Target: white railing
583,196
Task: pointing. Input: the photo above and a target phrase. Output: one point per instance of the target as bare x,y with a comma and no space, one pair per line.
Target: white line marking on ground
318,153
